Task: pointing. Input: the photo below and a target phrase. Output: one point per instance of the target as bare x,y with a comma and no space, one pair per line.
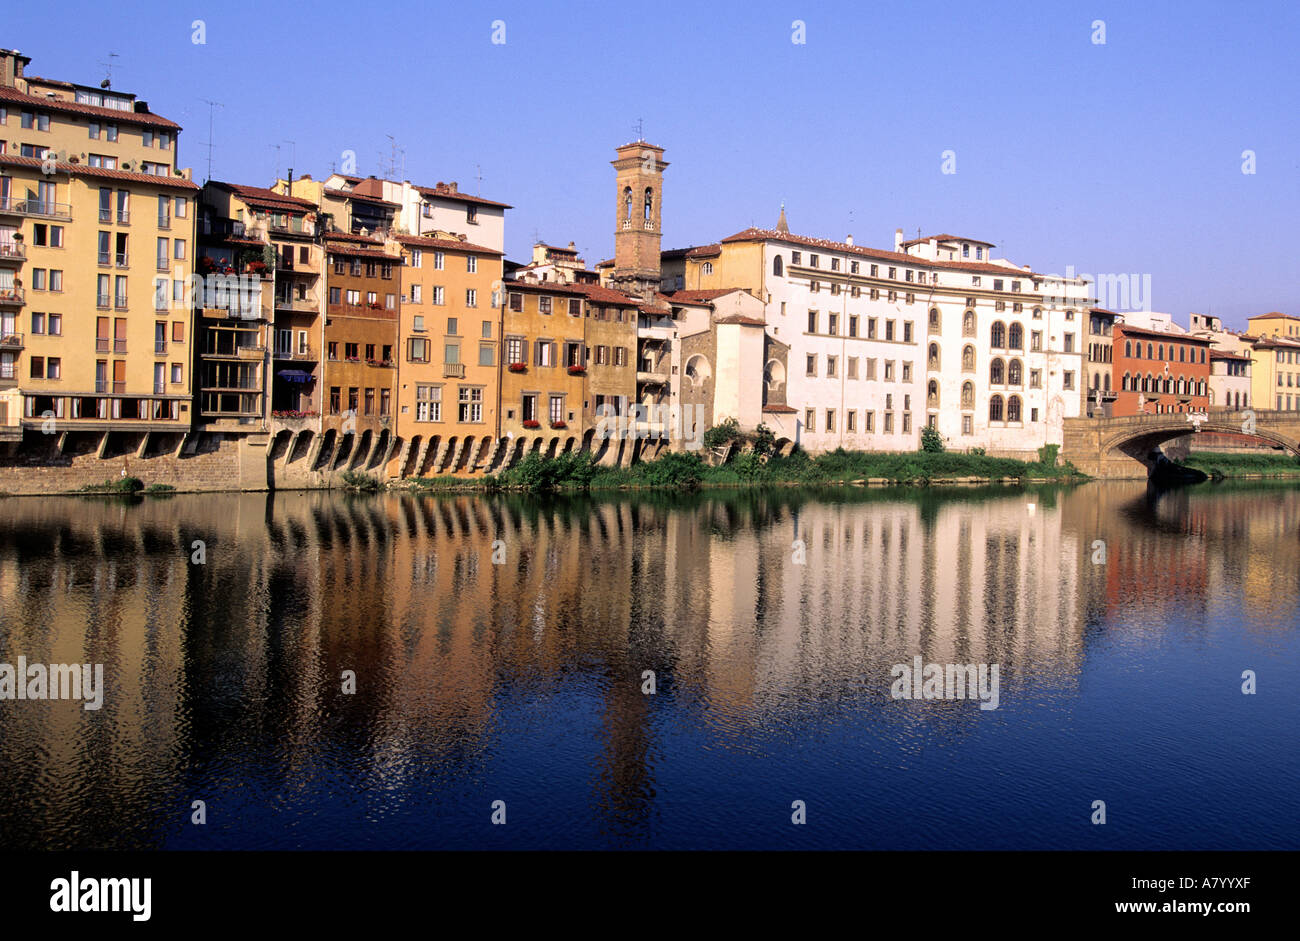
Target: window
417,257
543,305
470,402
777,268
1067,380
810,418
439,296
853,325
831,365
853,367
833,324
428,403
544,353
851,416
889,329
907,332
556,411
830,419
812,364
417,350
516,301
575,307
471,297
471,263
812,321
995,408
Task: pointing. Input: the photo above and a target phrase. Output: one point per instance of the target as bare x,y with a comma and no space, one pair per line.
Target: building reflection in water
225,677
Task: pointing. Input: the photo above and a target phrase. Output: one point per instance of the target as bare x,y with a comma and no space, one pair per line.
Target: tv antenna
212,105
640,131
108,70
478,175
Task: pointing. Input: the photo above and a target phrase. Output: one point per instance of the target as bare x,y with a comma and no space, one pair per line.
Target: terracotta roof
700,297
556,248
772,235
945,238
77,169
780,409
443,191
350,237
1224,354
110,115
420,241
363,253
260,196
1123,329
347,194
743,321
1102,310
606,295
692,251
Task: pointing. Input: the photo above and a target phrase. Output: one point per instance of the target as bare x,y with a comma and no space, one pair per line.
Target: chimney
898,240
289,189
572,247
848,239
452,186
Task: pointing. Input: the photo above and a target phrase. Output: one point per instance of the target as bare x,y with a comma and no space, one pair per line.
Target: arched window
1096,381
995,408
1145,386
1149,353
932,359
997,376
1013,373
932,395
708,267
1017,337
774,374
1013,408
1128,348
934,320
1125,384
778,268
968,359
968,395
998,335
1106,383
627,203
968,324
649,202
1201,386
1182,388
1160,351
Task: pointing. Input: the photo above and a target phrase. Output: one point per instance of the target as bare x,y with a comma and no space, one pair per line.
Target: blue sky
1123,157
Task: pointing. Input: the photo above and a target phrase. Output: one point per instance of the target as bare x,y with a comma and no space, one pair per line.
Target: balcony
101,301
159,347
165,221
307,355
255,353
307,304
654,328
453,370
160,388
12,252
119,346
39,208
648,377
101,344
12,297
11,341
163,264
122,260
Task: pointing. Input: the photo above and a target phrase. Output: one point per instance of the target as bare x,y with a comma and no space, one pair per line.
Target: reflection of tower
638,232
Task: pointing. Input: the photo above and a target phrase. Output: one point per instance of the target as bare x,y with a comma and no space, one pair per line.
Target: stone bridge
1125,447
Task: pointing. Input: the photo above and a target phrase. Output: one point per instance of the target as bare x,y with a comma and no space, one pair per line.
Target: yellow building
96,245
450,359
1275,361
545,362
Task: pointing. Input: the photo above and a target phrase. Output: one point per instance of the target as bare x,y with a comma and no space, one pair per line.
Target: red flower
532,423
517,367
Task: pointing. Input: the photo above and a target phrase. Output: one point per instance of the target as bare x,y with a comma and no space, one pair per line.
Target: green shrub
1047,454
723,433
931,440
117,485
159,488
764,440
365,483
681,470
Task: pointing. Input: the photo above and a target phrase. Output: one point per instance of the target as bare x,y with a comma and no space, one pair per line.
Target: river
324,670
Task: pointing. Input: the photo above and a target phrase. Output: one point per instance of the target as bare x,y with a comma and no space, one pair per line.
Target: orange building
360,367
1159,373
449,341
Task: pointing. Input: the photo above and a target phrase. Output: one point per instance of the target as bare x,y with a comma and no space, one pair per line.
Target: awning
294,375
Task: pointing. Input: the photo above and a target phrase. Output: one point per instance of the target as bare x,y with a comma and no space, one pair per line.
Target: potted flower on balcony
558,425
577,370
207,265
257,267
517,367
532,423
376,306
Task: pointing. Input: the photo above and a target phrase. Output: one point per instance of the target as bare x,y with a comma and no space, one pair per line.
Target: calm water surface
522,682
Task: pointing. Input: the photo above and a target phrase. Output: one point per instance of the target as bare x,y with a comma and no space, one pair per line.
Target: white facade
443,208
989,353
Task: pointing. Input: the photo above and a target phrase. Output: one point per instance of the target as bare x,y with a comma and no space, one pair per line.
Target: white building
870,345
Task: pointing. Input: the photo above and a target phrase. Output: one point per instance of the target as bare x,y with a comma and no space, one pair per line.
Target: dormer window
979,252
965,250
708,267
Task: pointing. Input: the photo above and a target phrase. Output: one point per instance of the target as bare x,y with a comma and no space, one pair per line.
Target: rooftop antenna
293,153
277,159
478,174
108,70
640,132
212,105
537,237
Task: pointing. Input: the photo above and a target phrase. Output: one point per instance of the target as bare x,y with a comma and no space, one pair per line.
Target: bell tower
639,173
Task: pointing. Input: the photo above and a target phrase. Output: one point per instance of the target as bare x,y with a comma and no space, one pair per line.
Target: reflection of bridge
1122,447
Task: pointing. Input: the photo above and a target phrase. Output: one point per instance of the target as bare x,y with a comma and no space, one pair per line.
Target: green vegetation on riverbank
1261,464
687,470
